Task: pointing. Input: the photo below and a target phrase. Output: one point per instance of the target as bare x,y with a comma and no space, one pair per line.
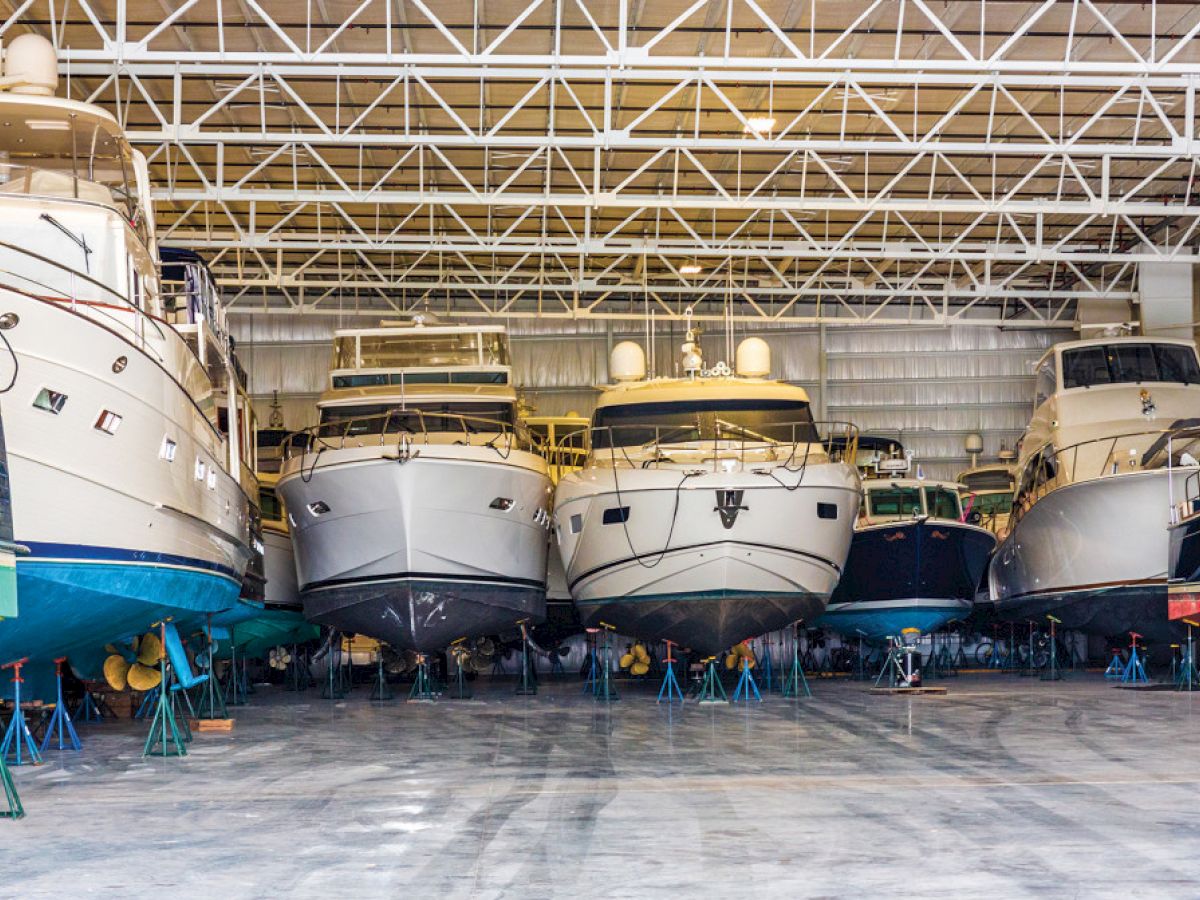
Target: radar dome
627,362
753,358
31,65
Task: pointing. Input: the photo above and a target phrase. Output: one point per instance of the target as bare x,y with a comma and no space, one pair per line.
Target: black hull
425,614
1111,612
703,623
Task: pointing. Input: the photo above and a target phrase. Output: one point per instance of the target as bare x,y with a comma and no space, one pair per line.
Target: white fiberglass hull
120,536
697,565
279,565
422,552
1093,554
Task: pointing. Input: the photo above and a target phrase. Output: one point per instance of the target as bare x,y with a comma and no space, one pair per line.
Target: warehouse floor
1004,787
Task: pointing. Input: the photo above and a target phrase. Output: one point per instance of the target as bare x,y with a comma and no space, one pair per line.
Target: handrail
475,430
726,442
1051,473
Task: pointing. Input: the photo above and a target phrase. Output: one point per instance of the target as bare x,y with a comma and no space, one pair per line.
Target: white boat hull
415,553
679,569
279,565
1093,554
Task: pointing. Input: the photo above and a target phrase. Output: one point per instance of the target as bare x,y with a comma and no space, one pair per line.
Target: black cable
625,517
16,364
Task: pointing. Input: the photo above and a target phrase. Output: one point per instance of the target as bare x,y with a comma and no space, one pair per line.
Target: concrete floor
1005,787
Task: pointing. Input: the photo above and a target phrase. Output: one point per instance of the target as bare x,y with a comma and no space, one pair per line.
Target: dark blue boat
914,562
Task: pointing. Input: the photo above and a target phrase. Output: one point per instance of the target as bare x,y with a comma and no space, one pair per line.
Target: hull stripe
44,552
425,576
628,559
1098,586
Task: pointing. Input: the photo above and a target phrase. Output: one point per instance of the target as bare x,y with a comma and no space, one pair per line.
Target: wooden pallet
908,690
211,724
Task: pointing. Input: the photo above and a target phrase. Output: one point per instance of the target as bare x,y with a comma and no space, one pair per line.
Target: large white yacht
121,484
709,510
419,509
1088,539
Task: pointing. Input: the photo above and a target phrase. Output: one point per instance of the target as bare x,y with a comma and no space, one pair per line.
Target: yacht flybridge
121,470
987,491
1088,540
710,509
419,507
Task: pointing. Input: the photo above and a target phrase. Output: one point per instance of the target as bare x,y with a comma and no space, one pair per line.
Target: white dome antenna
753,358
30,66
627,362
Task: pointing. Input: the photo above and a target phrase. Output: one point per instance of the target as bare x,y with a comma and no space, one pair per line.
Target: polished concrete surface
1005,787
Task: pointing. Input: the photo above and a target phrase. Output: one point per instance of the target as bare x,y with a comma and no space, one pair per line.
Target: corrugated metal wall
928,387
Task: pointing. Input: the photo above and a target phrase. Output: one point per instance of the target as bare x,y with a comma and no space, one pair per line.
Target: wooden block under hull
211,724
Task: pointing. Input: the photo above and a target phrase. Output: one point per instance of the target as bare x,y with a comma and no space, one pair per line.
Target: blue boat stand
60,723
18,739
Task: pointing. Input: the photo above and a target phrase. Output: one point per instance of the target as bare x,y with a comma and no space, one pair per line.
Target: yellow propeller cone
626,661
116,672
150,650
143,678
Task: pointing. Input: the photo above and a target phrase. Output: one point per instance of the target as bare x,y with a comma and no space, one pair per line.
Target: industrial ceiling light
759,124
691,268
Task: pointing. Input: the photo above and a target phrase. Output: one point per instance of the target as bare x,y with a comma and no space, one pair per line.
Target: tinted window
414,417
942,503
1129,364
993,504
634,424
268,502
894,501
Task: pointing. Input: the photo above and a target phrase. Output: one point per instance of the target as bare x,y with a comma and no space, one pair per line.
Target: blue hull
910,574
72,605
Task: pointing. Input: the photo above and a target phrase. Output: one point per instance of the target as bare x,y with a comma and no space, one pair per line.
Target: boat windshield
416,348
1129,363
894,501
989,480
680,422
993,504
268,503
375,418
942,503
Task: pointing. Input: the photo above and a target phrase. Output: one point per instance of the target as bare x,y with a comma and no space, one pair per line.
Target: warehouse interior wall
928,387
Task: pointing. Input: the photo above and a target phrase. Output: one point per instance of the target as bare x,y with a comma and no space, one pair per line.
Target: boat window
417,349
390,418
407,378
894,501
268,502
988,480
679,422
993,504
942,503
1130,363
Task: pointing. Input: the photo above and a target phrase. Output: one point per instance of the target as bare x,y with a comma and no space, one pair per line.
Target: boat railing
21,180
1089,460
101,309
791,445
407,430
194,299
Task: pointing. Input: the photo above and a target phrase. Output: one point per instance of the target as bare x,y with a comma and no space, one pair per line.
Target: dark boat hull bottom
705,623
425,614
1111,612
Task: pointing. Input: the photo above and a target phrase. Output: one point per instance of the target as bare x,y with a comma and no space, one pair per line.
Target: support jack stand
1188,678
422,689
527,686
334,688
164,727
795,685
1053,674
670,683
18,739
604,689
460,690
380,689
1135,669
212,698
1116,666
712,691
746,685
13,800
766,668
60,722
93,709
592,682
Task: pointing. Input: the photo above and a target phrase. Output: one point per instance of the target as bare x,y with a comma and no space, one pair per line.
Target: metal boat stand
670,683
335,688
93,709
766,669
235,689
527,683
712,691
422,689
11,797
298,675
746,685
18,739
212,698
1053,673
590,683
1188,678
1116,666
1135,669
380,689
60,722
460,690
165,732
795,685
604,689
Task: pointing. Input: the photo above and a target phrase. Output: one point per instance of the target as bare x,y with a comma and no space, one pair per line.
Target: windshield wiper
79,240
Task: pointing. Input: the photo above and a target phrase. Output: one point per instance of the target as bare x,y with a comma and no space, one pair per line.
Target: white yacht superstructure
709,510
120,468
419,509
1088,539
